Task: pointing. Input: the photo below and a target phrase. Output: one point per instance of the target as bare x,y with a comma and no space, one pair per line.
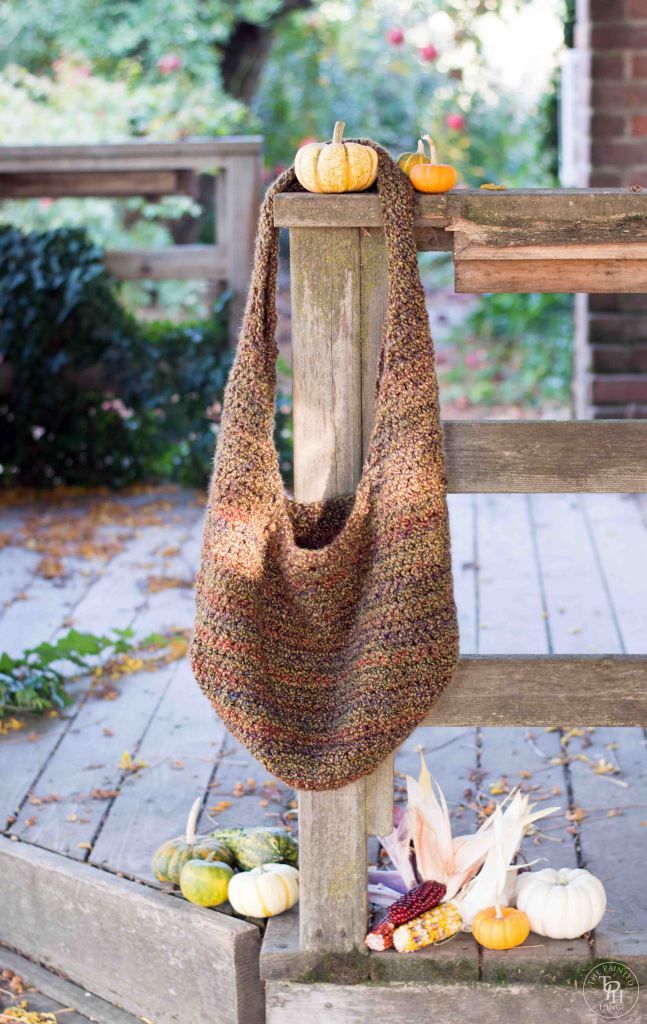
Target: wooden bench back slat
545,690
518,240
501,456
154,169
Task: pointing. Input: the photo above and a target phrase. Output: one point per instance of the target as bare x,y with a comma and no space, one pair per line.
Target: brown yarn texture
325,632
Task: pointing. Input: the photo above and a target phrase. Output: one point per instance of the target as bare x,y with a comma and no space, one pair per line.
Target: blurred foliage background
479,75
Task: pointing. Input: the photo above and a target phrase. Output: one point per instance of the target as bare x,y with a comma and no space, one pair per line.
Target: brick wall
611,330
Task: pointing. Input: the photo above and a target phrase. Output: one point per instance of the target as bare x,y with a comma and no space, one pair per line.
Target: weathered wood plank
127,943
462,524
511,612
552,275
545,691
180,745
44,606
289,1003
237,204
66,994
30,184
177,262
379,799
613,839
502,456
513,217
86,762
203,154
262,801
36,1002
620,537
373,301
17,568
580,616
326,368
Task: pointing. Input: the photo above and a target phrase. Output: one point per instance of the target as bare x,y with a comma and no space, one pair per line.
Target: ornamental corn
408,906
433,926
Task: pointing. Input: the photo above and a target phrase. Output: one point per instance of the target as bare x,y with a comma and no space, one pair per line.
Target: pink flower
395,36
472,361
429,52
37,433
455,121
46,202
169,63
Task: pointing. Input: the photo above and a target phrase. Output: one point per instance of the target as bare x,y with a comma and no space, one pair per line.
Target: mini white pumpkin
264,891
561,904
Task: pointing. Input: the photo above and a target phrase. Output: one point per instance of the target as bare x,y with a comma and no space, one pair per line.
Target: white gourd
264,891
561,904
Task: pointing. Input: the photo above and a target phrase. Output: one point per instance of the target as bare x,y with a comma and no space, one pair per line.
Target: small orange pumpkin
500,927
432,176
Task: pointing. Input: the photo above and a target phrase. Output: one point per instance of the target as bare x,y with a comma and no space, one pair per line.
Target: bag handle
406,371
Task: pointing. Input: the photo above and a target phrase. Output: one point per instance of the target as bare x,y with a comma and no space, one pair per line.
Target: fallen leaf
217,808
107,731
604,767
129,765
499,787
30,822
84,846
50,568
8,725
577,814
104,794
155,584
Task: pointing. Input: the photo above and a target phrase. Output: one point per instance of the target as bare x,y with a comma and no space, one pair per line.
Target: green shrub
96,397
514,349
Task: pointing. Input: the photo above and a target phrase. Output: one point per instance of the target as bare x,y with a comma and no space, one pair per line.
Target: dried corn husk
507,828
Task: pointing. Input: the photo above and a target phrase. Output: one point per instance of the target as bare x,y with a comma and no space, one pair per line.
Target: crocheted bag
325,632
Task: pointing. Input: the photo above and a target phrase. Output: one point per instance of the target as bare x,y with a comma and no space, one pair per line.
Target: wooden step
55,994
145,951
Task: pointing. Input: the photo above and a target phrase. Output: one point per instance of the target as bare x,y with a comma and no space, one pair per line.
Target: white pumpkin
264,891
561,904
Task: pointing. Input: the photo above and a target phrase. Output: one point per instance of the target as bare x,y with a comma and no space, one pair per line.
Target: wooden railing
528,241
155,169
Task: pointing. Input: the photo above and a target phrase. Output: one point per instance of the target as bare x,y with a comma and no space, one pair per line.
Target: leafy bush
31,683
514,349
94,396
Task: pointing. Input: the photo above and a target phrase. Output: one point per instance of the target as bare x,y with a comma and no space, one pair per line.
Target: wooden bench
513,241
155,169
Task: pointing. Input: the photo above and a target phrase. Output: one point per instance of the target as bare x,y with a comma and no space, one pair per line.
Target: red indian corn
413,903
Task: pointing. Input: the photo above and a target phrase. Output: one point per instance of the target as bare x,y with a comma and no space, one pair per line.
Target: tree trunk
247,50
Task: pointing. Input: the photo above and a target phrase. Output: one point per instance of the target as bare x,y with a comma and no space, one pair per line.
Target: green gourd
205,882
263,844
171,856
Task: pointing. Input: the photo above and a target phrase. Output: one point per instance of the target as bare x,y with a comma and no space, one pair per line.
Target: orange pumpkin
500,927
431,176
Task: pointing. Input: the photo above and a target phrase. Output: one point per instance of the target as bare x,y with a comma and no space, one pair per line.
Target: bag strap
406,370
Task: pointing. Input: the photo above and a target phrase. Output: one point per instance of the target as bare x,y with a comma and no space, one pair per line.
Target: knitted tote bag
325,632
